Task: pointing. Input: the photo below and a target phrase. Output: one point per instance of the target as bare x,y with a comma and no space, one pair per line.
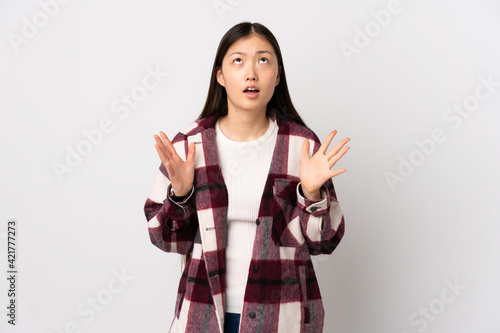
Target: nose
251,75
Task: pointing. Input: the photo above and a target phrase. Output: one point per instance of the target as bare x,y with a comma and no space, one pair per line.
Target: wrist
179,195
311,195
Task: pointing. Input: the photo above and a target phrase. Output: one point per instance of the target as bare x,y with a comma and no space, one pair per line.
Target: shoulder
296,131
194,128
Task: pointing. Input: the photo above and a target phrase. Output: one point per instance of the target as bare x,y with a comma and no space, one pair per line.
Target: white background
403,244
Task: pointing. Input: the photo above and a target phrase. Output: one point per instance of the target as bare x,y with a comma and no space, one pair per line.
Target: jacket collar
209,122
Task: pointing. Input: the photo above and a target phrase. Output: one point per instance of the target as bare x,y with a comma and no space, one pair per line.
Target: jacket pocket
286,222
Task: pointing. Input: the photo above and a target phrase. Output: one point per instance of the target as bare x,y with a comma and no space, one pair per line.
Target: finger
172,173
337,172
159,141
324,146
172,153
305,149
161,145
191,152
166,163
337,157
164,159
337,147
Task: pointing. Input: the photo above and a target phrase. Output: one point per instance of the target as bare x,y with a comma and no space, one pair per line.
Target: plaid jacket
282,293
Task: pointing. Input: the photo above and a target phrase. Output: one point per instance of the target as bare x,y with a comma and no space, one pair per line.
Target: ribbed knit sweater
244,166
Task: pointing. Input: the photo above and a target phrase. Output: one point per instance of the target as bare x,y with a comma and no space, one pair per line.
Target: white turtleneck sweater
244,166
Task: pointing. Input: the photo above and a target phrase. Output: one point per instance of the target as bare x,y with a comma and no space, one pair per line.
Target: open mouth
251,90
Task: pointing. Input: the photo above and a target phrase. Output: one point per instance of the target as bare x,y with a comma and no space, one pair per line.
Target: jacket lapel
211,206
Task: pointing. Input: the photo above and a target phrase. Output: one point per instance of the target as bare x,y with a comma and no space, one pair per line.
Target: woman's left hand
315,171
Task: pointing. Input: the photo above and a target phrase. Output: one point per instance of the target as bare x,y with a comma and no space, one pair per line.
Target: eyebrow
258,52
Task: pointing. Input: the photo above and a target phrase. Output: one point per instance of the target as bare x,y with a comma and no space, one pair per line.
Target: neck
244,126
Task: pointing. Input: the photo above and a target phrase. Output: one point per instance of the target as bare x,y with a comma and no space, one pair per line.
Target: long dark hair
280,103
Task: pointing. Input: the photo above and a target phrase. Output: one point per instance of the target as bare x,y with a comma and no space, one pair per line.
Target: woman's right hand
181,173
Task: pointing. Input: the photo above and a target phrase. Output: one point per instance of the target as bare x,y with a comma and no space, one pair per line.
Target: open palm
315,171
180,173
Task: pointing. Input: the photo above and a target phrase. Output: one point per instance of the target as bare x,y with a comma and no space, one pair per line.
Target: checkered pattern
282,293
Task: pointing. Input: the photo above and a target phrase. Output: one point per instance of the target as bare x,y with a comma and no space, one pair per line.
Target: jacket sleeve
172,225
322,221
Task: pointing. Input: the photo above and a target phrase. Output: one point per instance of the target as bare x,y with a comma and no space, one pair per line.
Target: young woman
245,194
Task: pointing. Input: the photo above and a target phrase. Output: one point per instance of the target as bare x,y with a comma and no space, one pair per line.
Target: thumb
305,149
191,152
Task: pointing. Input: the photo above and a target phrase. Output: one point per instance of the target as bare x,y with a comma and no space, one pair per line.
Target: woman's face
249,61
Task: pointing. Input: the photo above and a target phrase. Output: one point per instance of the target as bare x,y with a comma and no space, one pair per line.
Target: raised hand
181,173
315,171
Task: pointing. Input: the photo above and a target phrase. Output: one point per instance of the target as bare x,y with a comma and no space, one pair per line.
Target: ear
278,76
220,77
